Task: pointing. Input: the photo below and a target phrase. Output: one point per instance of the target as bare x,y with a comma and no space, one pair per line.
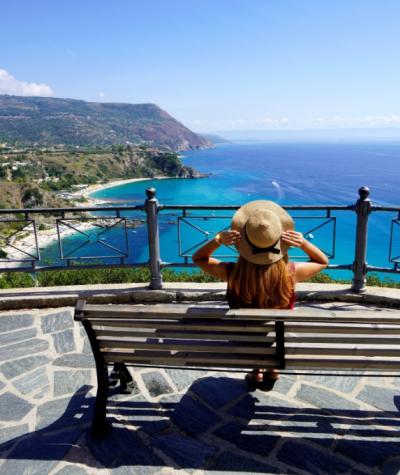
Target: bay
292,173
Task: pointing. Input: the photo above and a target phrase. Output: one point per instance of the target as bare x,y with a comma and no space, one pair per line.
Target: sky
215,65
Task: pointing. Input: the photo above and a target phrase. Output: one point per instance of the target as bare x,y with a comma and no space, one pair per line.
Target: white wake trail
278,189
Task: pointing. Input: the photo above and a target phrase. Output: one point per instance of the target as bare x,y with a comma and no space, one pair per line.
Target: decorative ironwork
395,259
210,233
309,233
92,234
30,253
98,235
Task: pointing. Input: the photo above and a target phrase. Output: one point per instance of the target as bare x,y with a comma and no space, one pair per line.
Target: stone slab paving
182,422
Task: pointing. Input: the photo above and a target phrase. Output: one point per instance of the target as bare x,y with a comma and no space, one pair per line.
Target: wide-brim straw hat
261,224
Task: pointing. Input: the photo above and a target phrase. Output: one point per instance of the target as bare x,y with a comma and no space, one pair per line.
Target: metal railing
94,227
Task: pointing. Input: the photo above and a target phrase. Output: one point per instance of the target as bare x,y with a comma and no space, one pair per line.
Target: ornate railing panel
81,237
319,227
308,225
94,233
206,234
102,236
394,255
18,243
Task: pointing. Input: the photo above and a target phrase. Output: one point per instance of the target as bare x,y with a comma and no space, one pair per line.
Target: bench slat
166,358
206,327
221,336
351,329
384,364
222,348
342,351
182,311
179,312
326,338
262,329
226,347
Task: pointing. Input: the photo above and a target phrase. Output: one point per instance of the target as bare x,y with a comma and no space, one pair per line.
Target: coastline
90,189
27,244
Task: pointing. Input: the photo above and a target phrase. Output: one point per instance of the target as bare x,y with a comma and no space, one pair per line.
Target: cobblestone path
181,421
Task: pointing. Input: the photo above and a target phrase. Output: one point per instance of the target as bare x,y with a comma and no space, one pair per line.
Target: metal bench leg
125,379
114,375
100,426
120,372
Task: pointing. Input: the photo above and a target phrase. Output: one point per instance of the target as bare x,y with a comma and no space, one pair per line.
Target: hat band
260,250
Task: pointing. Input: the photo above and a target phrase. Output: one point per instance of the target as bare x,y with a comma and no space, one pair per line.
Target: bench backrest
216,337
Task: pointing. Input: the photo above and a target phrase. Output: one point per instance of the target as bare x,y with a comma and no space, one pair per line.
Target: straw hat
261,224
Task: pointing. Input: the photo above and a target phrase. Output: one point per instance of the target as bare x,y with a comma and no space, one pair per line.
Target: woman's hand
293,238
229,238
203,256
318,260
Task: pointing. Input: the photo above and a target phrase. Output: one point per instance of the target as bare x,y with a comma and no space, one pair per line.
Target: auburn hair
261,286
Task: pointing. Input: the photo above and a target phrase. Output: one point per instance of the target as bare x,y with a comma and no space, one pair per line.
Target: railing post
362,208
151,205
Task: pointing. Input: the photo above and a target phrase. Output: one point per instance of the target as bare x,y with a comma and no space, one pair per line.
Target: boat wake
278,188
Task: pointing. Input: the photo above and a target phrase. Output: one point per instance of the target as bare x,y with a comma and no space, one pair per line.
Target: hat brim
244,247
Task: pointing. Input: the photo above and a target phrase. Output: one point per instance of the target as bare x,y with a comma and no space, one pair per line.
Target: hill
37,177
53,121
215,139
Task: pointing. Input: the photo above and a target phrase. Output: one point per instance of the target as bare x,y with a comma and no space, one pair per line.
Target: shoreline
46,237
90,189
27,244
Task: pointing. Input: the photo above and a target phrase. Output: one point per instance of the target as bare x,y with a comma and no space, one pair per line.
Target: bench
189,337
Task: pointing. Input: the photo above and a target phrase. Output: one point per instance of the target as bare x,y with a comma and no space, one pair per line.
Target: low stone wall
179,292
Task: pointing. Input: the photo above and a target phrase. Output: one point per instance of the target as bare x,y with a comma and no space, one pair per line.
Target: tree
32,197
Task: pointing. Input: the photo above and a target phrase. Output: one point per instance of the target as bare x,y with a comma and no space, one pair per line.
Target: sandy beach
90,189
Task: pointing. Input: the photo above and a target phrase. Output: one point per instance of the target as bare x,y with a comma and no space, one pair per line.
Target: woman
263,277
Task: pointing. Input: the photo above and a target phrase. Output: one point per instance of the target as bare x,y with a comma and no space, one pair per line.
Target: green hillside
43,177
52,121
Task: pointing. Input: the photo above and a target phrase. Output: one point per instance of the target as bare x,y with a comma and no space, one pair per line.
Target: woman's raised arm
202,257
318,260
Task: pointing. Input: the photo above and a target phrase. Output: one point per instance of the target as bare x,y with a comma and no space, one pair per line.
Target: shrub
140,275
11,280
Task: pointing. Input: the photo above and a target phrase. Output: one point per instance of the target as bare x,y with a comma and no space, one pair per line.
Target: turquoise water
288,173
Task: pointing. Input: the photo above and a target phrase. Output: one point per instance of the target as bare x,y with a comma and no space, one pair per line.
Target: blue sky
212,64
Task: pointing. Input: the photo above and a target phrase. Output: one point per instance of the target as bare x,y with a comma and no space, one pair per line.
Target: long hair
261,286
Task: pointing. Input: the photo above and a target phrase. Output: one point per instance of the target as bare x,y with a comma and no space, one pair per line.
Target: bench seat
218,338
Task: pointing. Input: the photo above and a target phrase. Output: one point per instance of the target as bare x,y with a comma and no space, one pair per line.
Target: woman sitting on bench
262,277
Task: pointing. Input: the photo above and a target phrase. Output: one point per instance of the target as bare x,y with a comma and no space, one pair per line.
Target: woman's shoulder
291,266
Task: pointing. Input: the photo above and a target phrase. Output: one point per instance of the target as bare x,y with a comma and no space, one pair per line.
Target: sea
289,173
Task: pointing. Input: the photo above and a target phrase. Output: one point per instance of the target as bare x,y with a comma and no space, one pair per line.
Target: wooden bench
217,338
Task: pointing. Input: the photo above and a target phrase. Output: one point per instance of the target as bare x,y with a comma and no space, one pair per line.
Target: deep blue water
288,173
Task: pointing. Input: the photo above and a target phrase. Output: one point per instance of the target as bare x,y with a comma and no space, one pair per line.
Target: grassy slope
54,121
60,170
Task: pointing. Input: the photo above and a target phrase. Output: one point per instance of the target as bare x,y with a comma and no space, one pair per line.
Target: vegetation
138,275
34,177
52,121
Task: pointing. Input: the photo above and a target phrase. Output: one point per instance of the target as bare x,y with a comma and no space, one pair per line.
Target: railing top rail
234,207
385,208
188,207
71,209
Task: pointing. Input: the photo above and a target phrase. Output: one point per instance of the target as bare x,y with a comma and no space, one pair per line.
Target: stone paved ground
181,421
